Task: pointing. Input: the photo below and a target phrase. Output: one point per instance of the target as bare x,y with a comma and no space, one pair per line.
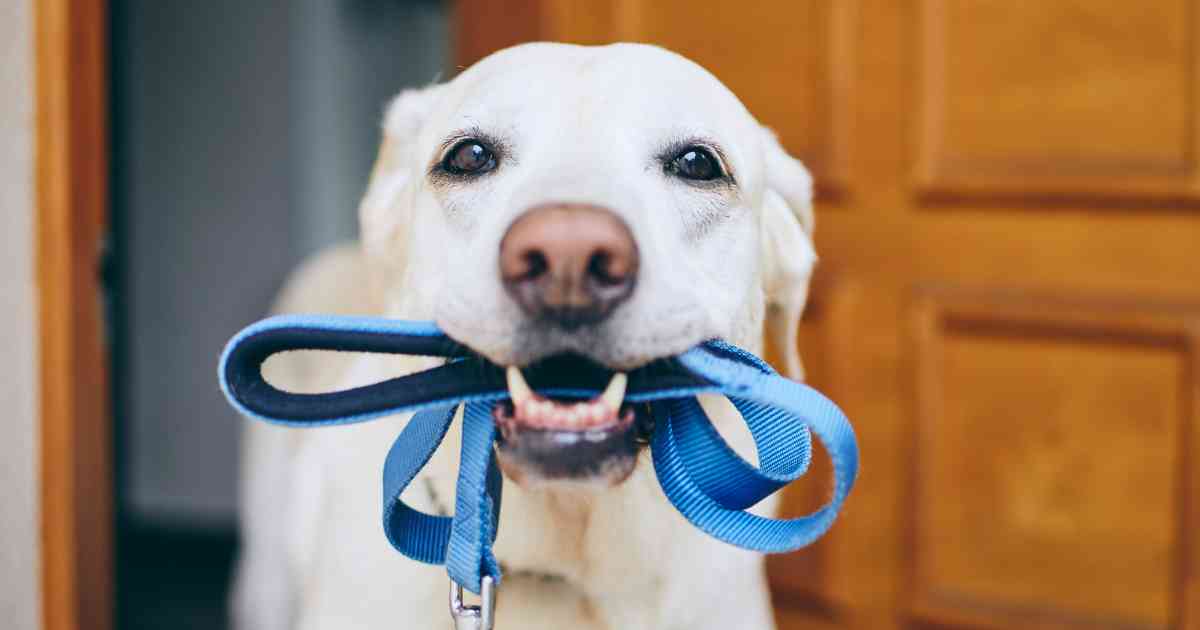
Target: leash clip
481,617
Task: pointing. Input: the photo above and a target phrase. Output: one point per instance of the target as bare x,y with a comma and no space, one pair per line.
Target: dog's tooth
614,394
542,412
599,412
518,389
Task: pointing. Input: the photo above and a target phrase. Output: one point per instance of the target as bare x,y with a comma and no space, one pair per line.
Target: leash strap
710,485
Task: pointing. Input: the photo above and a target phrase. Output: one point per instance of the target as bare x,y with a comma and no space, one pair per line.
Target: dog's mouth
563,438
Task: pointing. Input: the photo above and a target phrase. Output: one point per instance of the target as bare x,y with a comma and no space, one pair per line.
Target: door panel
1008,299
1053,96
1068,424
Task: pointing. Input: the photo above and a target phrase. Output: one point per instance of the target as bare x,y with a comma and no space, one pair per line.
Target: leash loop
710,485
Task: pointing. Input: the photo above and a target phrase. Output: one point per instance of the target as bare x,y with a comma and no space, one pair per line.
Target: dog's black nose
570,265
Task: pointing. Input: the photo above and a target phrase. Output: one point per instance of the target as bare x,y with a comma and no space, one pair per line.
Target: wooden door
1008,300
76,468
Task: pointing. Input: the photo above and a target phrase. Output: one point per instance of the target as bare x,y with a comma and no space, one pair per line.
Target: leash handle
240,369
463,378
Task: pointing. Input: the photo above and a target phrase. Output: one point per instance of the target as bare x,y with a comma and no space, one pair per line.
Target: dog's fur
578,124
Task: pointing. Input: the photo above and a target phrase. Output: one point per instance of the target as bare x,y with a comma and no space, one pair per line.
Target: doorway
242,136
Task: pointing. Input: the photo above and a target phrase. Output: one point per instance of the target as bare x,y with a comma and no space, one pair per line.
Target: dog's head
557,206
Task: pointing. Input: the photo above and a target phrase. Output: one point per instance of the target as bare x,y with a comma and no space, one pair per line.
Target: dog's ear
788,254
385,211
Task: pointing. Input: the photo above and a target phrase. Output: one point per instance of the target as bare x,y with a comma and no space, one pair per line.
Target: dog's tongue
534,411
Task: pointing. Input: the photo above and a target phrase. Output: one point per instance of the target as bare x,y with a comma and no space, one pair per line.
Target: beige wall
18,373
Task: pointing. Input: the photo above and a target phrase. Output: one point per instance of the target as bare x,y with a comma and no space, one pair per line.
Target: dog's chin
556,441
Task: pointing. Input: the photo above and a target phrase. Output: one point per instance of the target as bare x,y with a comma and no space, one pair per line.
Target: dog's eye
469,157
696,163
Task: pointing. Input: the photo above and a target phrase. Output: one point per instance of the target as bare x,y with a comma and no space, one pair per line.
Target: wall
18,327
200,220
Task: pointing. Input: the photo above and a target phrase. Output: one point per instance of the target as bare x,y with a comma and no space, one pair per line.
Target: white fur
580,124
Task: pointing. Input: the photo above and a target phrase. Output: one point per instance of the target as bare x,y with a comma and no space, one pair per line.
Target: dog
614,204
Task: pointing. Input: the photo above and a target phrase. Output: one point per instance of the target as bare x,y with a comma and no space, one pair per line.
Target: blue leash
700,474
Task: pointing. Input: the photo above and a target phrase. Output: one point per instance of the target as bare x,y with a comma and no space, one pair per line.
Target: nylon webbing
699,473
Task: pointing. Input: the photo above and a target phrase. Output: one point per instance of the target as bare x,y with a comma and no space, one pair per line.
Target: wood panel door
1008,300
75,429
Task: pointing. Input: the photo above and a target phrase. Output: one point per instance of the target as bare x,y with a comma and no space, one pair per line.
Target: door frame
71,151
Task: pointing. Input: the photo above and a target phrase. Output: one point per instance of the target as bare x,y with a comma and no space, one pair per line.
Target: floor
173,580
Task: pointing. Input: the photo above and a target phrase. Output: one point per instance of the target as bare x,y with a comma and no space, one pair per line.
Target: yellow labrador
615,204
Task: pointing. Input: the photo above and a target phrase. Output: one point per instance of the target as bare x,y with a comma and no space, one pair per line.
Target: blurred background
242,137
1007,303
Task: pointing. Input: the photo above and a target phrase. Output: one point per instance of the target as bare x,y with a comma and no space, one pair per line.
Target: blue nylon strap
700,474
800,403
417,535
476,503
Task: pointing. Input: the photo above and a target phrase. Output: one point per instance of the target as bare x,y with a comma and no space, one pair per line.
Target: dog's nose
569,264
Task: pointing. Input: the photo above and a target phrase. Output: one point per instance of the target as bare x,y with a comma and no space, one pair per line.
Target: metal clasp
481,617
